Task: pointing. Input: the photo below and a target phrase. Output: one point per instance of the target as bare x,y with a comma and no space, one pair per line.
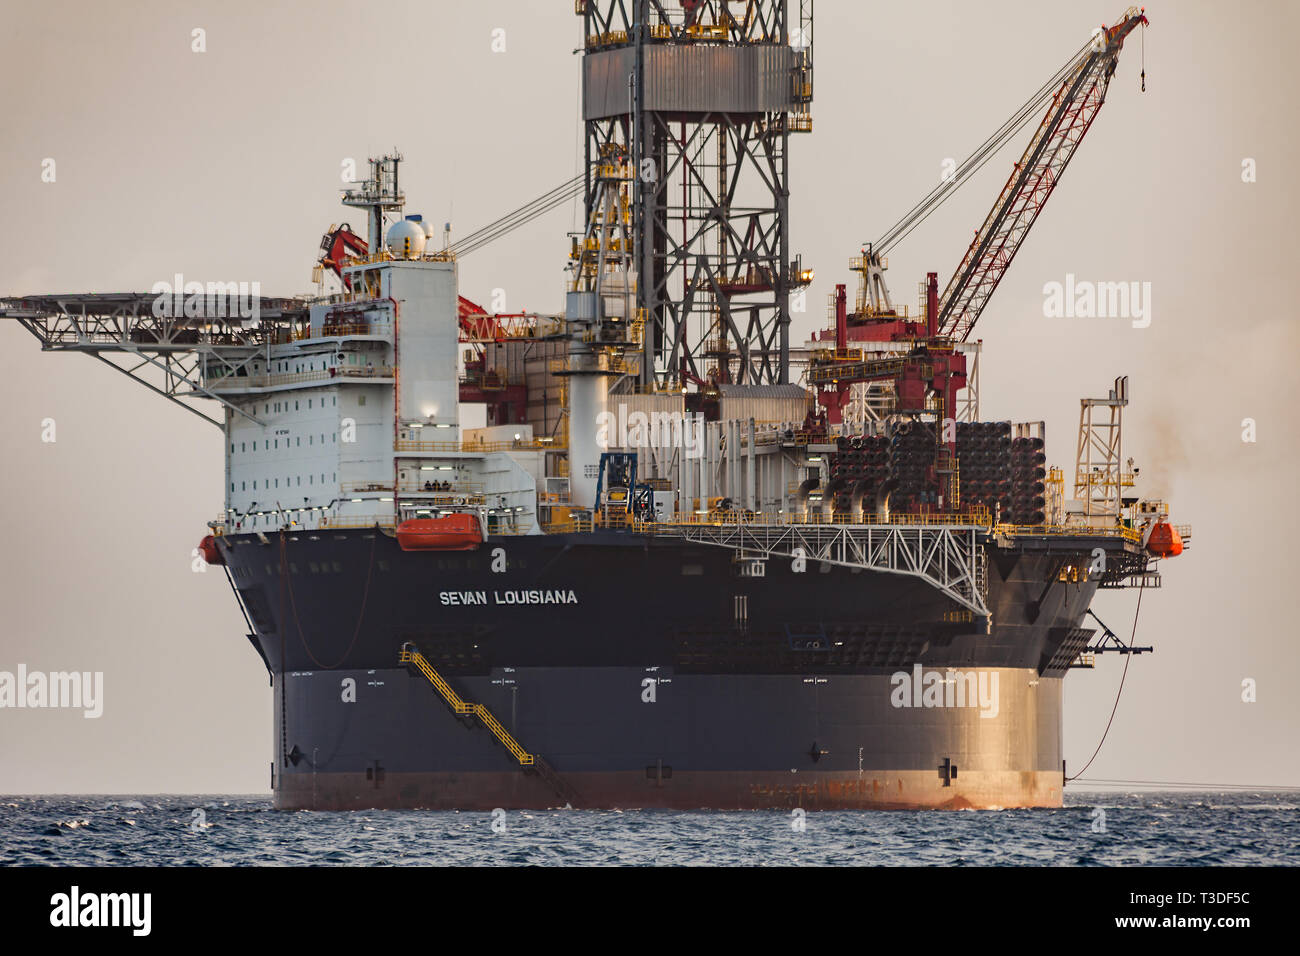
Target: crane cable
1127,657
552,199
485,236
525,214
982,154
1144,58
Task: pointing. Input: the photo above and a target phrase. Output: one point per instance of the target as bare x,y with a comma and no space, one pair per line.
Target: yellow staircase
464,708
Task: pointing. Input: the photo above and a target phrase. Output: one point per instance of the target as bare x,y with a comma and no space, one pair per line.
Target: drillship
666,571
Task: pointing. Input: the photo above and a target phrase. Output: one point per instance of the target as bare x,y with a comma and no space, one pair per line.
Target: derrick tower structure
695,102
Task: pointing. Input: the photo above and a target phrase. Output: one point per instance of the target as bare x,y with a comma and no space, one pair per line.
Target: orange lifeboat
454,532
1165,541
211,553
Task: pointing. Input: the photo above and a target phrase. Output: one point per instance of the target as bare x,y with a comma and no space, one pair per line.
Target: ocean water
1093,829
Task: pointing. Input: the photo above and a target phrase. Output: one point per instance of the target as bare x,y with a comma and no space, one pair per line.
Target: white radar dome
406,239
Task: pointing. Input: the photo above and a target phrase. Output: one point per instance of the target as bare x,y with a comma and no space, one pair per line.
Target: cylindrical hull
645,672
385,738
703,790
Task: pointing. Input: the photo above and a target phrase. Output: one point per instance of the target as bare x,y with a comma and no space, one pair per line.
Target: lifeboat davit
454,532
1165,541
211,553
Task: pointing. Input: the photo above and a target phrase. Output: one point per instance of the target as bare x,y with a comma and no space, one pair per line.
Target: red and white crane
927,370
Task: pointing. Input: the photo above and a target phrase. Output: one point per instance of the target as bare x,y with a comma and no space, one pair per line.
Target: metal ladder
463,708
533,763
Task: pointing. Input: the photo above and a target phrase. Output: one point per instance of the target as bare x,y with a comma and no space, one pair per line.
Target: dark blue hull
628,664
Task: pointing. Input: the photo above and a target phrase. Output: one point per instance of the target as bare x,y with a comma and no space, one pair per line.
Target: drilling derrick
698,100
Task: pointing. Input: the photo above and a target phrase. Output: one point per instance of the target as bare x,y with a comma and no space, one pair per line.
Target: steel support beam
950,558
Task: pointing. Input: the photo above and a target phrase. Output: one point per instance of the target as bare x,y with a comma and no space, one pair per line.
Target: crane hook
1144,57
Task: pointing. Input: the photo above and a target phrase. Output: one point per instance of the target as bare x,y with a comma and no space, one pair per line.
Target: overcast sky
224,165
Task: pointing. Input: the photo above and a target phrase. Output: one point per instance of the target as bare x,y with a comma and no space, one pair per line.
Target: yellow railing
376,328
574,525
653,388
707,31
464,707
978,519
488,381
386,256
1081,531
568,526
820,518
1102,479
607,39
836,355
612,171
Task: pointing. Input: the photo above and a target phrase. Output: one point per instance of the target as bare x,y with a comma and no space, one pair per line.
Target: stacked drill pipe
984,465
1027,489
911,478
858,470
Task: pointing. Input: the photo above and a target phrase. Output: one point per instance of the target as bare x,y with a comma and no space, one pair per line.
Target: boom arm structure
1075,105
336,245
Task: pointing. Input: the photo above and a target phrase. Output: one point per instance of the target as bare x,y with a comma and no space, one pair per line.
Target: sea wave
1132,828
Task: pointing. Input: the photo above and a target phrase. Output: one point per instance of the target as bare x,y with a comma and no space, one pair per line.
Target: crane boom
1072,110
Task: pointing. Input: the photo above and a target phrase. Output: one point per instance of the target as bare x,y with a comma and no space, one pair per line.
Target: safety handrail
465,708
